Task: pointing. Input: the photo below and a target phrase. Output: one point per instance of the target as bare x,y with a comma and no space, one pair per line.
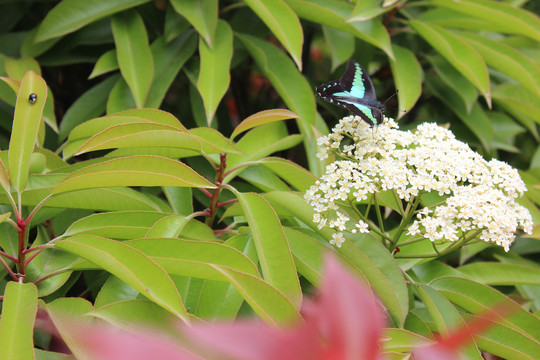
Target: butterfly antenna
391,96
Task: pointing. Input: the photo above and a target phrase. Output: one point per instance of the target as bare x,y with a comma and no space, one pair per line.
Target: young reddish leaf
263,117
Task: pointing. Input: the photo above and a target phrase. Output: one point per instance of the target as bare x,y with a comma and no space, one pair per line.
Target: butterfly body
354,92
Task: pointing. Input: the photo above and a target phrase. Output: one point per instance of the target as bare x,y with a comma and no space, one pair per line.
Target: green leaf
120,97
520,21
308,254
444,315
381,271
169,226
9,90
194,258
86,130
92,127
268,302
180,199
212,141
476,120
434,269
219,299
17,68
283,23
463,89
272,246
142,134
459,53
168,60
491,273
49,355
19,308
133,54
293,174
262,117
114,290
214,77
107,199
106,63
133,314
89,105
341,45
31,48
457,20
203,15
50,267
63,312
507,60
71,15
26,124
263,178
506,342
418,326
285,78
336,14
365,10
516,99
116,225
175,24
408,77
478,298
4,177
131,266
291,86
139,170
260,142
400,340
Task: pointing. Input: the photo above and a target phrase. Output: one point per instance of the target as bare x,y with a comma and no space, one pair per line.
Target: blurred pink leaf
344,322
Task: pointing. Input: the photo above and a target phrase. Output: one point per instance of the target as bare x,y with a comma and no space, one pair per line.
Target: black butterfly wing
354,92
334,93
357,82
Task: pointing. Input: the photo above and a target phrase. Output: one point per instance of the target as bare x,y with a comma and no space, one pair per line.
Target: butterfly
354,92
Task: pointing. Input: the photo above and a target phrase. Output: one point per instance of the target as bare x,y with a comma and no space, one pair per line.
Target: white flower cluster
480,195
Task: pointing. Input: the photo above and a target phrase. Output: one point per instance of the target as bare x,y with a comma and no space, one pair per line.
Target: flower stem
378,211
408,213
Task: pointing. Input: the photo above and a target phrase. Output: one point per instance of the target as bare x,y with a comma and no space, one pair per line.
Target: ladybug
32,98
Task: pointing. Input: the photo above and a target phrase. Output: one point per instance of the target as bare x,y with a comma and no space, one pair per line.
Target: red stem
6,255
34,248
21,263
220,170
220,204
11,273
31,257
48,276
206,192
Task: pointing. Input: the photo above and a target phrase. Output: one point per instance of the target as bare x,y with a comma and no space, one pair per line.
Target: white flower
360,226
478,195
337,239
